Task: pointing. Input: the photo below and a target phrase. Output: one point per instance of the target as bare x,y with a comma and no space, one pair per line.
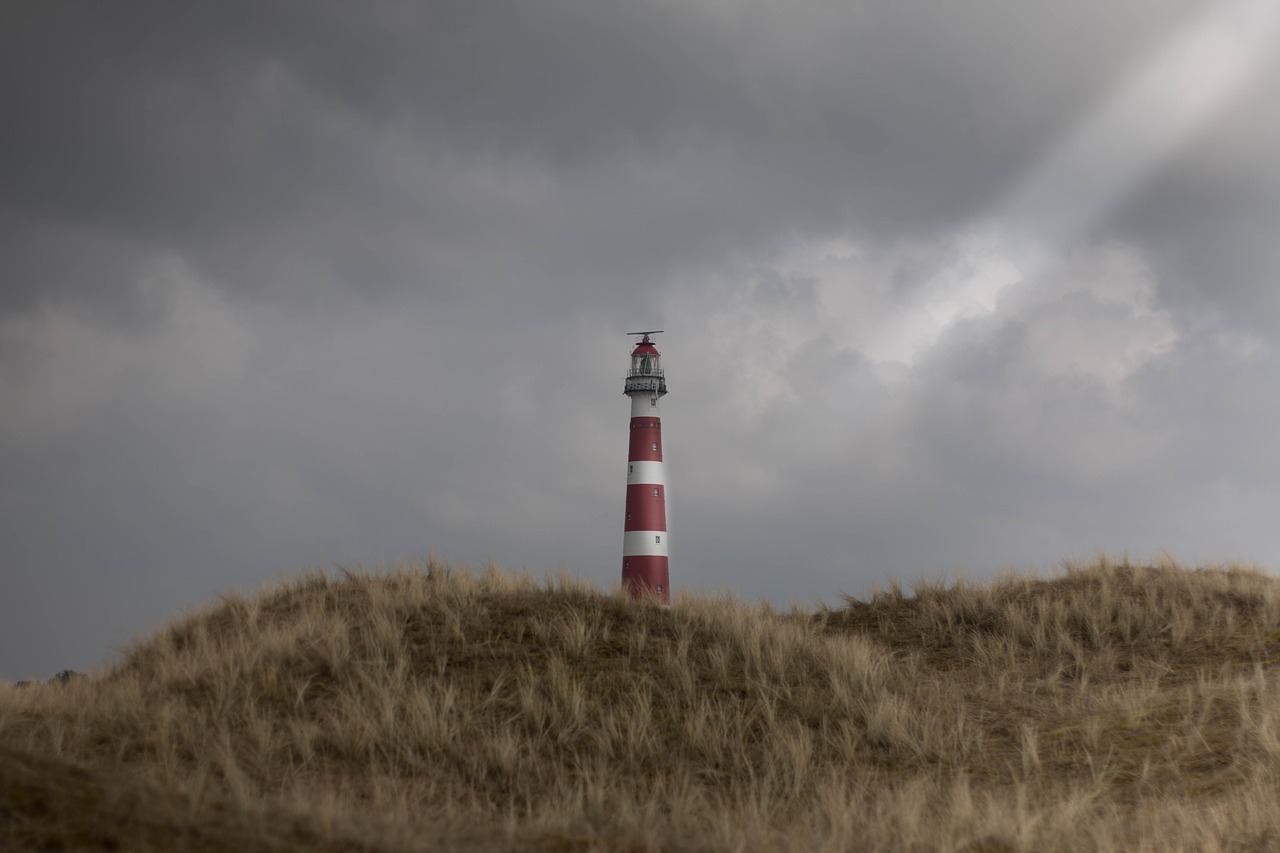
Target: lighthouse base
646,578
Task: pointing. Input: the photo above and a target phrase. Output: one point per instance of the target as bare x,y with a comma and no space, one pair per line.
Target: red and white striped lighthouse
644,542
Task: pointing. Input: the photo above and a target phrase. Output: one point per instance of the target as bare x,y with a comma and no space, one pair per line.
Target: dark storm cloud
1214,246
647,138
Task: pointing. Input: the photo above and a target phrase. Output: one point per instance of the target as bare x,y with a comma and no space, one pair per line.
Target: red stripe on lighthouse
646,508
644,576
646,440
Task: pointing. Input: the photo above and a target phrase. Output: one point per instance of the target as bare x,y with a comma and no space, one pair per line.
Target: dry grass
1115,707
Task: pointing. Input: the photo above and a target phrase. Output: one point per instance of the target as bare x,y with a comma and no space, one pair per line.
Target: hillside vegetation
1112,707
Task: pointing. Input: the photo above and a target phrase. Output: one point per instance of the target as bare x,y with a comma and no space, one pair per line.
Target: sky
947,290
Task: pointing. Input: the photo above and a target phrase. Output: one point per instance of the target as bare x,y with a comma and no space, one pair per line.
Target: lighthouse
644,540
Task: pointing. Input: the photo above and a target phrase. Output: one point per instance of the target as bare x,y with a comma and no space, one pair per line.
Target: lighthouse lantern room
644,547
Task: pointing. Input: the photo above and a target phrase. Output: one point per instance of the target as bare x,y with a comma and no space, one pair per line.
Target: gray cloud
305,283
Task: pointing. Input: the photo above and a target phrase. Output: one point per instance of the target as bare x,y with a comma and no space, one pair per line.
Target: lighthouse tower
644,542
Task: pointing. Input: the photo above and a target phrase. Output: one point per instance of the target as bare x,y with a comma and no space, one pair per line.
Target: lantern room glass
645,364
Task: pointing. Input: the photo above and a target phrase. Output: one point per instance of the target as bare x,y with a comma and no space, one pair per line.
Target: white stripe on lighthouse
648,473
644,543
644,406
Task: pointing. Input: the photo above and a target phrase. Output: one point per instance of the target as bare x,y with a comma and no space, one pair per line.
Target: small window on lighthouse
657,540
653,401
655,492
631,469
628,516
654,447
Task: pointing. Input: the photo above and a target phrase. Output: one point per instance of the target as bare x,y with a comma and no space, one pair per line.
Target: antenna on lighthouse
646,335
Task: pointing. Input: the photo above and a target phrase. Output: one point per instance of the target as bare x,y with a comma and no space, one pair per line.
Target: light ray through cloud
1101,162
